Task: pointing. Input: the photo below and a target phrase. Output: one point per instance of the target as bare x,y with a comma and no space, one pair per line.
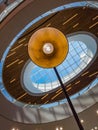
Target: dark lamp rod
69,101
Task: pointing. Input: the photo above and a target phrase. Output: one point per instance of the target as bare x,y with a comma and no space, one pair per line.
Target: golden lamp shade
48,47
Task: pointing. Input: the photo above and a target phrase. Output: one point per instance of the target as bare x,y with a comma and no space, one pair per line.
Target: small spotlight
13,128
96,128
61,128
82,121
97,111
57,128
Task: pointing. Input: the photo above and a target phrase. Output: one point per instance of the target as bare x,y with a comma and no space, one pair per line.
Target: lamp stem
69,101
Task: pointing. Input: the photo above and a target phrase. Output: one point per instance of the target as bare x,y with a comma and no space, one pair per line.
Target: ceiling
68,21
82,23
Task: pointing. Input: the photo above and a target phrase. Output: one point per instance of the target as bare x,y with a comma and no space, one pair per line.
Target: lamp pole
52,51
69,101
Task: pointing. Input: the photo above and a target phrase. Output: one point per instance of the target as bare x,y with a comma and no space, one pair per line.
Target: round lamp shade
48,47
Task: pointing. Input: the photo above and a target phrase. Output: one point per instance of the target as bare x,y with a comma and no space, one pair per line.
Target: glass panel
45,79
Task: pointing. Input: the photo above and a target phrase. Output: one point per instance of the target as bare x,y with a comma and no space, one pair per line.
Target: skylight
38,80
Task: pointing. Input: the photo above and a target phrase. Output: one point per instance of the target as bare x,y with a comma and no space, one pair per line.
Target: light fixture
97,111
57,128
96,128
48,48
61,128
82,121
14,129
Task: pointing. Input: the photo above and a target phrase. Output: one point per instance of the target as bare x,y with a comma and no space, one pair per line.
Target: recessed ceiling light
82,121
13,128
96,128
92,129
57,128
97,111
61,128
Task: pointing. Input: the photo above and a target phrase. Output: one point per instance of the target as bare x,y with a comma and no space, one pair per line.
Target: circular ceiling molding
18,56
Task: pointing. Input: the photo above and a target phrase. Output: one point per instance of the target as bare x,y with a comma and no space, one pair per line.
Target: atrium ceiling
27,107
